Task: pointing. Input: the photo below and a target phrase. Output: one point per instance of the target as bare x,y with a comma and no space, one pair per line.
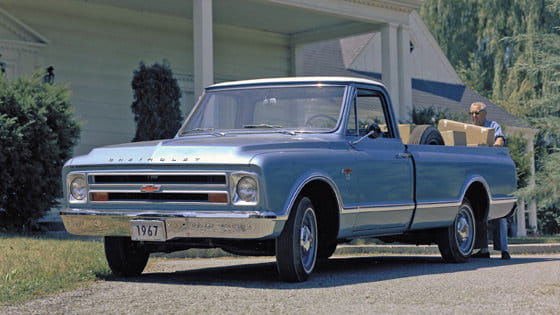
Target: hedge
37,134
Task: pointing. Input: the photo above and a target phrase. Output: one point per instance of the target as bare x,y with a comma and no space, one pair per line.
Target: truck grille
160,179
191,188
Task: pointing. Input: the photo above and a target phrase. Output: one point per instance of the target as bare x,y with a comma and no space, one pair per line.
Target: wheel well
478,197
326,205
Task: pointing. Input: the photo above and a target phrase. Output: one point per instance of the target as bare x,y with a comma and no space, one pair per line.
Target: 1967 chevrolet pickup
287,167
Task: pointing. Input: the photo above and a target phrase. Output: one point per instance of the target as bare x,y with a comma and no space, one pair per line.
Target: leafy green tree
432,116
37,134
509,51
517,150
540,92
156,104
474,34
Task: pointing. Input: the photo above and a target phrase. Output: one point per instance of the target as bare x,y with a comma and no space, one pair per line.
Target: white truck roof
316,79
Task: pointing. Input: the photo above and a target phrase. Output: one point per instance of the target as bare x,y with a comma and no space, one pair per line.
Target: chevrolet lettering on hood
155,159
288,167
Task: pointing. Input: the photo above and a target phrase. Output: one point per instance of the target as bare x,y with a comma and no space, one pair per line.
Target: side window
369,111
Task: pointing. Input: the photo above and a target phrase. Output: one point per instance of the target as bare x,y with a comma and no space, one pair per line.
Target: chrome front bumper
231,225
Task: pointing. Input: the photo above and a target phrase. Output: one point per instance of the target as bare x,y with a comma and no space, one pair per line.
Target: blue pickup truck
289,167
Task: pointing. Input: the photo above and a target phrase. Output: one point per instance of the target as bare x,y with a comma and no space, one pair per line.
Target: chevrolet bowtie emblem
151,188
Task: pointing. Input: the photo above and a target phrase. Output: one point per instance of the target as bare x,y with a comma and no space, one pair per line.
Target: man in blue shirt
478,117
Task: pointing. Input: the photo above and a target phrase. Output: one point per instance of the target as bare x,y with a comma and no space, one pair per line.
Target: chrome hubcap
464,231
308,240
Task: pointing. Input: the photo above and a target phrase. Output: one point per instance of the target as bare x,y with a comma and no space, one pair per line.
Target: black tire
296,247
326,249
425,134
456,242
124,258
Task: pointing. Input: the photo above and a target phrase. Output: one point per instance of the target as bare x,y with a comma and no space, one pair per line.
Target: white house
95,45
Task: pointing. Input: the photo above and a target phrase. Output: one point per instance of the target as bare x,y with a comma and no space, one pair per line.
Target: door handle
403,155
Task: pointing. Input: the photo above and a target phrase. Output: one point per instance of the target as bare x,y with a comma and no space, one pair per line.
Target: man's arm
499,142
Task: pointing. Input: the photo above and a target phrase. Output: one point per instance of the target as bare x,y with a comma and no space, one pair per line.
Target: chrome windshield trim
317,84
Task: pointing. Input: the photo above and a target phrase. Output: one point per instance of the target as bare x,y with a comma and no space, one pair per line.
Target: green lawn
535,240
31,267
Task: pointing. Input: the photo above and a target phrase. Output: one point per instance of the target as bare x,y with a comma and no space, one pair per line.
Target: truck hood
209,149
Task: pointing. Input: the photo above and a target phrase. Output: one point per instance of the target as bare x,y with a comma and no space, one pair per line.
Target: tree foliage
509,51
476,37
37,134
432,115
156,105
517,149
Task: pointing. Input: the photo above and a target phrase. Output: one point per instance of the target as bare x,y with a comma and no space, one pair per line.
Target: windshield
285,108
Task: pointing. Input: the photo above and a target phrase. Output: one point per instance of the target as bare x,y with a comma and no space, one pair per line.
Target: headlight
244,189
247,189
77,186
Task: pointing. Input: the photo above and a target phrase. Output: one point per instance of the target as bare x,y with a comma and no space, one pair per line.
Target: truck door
384,201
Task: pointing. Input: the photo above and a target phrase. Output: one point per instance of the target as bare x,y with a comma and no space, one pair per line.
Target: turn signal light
217,198
100,196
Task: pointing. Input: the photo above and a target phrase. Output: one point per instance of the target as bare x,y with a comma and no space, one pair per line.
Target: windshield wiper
197,130
288,132
262,126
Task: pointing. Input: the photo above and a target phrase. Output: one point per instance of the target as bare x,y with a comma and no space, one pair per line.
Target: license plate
147,230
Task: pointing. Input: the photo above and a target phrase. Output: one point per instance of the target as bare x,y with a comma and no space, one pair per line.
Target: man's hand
499,142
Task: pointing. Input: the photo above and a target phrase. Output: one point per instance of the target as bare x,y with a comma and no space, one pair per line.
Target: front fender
302,181
285,174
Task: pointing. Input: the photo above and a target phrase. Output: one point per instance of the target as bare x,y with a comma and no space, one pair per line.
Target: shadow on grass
335,272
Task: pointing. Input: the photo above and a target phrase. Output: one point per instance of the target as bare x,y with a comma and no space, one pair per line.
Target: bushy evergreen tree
512,56
37,134
156,105
476,37
541,81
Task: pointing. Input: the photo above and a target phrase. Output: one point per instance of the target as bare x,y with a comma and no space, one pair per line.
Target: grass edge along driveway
31,267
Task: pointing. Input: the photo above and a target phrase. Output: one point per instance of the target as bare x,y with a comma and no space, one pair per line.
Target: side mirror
373,131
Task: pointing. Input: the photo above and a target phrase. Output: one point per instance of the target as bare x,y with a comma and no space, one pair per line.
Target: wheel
425,134
326,250
456,242
296,247
125,259
321,121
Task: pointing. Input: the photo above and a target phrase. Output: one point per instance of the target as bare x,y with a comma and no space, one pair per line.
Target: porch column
405,77
296,60
521,229
202,45
532,203
390,64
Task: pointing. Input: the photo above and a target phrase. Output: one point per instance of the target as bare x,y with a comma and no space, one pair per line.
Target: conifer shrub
432,116
37,134
156,105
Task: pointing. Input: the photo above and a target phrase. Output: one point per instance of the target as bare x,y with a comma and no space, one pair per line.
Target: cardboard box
454,138
405,130
476,135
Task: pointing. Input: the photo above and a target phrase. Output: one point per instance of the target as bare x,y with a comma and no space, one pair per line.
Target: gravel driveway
356,285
